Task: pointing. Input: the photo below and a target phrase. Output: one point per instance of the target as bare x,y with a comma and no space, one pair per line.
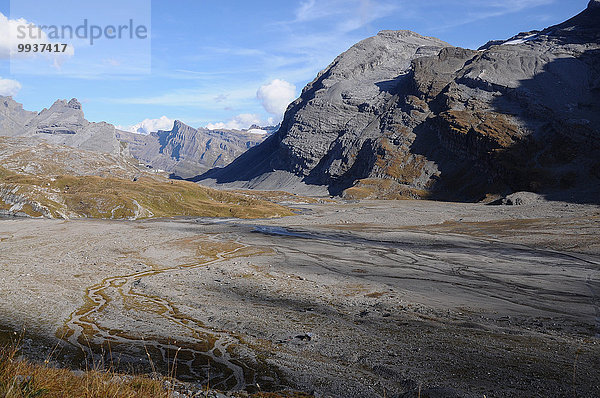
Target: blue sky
230,63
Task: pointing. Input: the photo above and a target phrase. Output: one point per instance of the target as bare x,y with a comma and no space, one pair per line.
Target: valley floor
365,299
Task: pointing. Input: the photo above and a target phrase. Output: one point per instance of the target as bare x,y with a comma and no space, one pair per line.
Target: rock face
402,115
62,124
187,152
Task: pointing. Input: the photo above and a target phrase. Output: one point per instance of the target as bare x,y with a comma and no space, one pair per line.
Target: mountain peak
593,4
62,105
74,104
178,125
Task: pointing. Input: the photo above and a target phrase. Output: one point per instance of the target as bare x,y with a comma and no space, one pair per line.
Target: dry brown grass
398,163
494,130
117,198
23,379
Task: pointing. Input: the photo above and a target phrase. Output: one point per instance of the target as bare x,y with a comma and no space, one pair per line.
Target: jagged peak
74,103
8,100
63,104
59,103
178,125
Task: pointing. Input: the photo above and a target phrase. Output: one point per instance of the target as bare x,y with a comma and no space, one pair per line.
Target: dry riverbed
359,299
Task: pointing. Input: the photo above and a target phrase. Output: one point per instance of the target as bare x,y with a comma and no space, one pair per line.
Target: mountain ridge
64,123
185,151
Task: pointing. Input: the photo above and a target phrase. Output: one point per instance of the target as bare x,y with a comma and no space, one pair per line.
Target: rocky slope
402,115
186,152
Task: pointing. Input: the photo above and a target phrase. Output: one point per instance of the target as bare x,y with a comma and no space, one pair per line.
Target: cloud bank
148,126
240,122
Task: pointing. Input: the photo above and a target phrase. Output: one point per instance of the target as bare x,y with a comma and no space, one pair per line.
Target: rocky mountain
62,124
403,115
186,152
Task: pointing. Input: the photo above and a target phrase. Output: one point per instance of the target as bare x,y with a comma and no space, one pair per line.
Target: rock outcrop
402,115
187,152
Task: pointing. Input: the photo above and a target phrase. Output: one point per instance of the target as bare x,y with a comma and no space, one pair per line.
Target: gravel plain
361,299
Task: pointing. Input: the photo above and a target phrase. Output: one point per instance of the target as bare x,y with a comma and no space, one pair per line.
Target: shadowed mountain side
484,151
247,164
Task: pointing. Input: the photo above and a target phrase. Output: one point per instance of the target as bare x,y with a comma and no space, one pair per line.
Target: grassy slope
116,198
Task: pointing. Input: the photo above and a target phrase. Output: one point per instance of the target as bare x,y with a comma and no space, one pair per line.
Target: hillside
44,180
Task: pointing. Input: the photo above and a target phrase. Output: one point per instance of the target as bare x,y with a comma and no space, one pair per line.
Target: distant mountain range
183,152
401,115
186,152
398,115
56,164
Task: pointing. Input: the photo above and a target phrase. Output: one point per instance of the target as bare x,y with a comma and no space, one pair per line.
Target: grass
118,198
398,163
491,130
23,379
20,378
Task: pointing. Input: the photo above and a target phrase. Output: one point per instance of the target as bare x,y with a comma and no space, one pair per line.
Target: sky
221,64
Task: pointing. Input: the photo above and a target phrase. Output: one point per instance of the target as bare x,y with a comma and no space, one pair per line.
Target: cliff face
402,115
187,152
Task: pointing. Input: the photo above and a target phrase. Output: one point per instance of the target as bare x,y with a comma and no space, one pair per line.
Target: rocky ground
366,299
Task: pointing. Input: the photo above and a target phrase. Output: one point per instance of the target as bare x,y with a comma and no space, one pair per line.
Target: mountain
403,115
62,124
186,152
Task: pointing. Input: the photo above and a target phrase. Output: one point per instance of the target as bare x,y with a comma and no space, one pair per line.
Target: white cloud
276,96
240,122
9,87
148,126
258,131
10,38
